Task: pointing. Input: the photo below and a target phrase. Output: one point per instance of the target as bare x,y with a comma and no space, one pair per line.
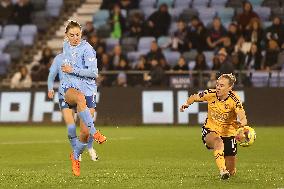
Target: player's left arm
90,60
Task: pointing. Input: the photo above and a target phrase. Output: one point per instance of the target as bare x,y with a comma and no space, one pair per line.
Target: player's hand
50,94
183,107
67,68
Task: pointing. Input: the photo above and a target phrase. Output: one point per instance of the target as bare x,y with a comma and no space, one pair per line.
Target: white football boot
93,154
225,175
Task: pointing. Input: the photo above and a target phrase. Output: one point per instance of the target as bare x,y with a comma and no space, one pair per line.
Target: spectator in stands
200,62
142,64
196,35
164,64
233,33
254,32
252,59
275,31
121,80
136,25
159,22
122,65
154,53
179,38
244,18
271,55
117,55
22,12
47,55
89,30
21,79
129,4
40,72
216,34
156,77
105,64
181,65
227,44
216,63
6,12
117,22
280,60
212,81
97,44
226,66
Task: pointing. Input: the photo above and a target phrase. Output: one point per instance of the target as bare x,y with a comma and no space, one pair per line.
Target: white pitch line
54,141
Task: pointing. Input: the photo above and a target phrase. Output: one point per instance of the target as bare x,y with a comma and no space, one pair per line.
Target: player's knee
85,133
81,99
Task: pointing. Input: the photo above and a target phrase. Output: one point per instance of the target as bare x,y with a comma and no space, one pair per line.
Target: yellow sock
220,160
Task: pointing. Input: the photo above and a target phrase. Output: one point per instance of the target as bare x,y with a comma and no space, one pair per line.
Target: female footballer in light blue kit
79,71
67,111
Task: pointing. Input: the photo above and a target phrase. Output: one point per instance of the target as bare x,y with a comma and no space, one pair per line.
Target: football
245,136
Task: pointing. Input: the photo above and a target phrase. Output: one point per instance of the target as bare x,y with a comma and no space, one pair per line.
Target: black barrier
137,106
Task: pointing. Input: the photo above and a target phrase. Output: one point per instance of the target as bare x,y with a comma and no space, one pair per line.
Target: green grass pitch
135,157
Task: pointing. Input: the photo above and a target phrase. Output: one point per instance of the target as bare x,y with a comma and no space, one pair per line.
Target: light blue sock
90,142
72,135
80,147
88,120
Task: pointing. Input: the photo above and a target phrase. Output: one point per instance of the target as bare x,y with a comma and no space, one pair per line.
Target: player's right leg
214,141
73,96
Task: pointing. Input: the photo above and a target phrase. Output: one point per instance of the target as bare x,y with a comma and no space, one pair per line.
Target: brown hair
72,24
232,79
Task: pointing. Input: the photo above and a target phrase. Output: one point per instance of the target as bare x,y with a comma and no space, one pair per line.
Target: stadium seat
182,3
206,13
111,43
3,44
188,14
175,13
100,18
225,14
218,3
164,42
199,3
144,4
172,57
134,56
148,12
14,48
53,7
40,19
10,32
190,55
173,28
263,12
256,2
170,3
235,3
271,4
260,79
27,34
0,30
145,43
5,61
209,55
129,44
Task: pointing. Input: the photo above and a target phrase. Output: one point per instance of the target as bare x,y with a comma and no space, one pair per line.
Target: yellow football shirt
222,114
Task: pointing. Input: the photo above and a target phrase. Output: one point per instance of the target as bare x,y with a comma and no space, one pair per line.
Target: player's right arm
53,71
198,97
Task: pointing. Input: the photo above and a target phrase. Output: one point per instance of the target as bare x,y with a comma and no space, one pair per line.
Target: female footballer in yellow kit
225,116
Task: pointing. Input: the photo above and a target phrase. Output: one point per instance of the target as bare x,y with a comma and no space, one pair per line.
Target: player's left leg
214,141
91,150
231,164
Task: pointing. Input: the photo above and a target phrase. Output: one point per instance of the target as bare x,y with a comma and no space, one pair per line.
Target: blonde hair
232,79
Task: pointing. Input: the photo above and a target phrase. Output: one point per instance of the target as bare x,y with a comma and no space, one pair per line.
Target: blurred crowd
243,44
